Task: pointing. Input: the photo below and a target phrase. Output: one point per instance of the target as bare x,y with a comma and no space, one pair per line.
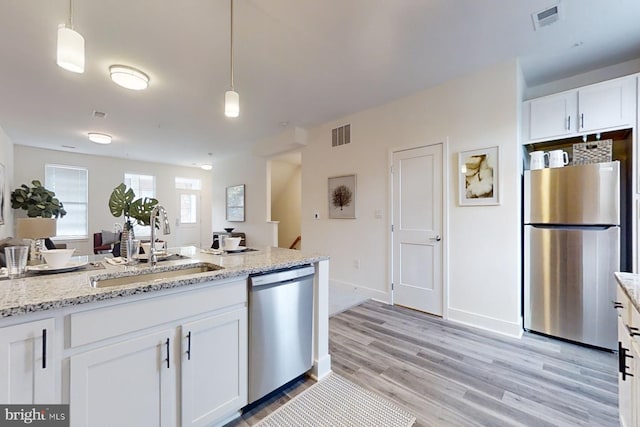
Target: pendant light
231,97
70,52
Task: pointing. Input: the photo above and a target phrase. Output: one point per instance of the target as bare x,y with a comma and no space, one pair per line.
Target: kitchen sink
151,275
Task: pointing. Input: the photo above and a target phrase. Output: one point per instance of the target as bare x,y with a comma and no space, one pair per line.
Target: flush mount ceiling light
206,167
231,97
70,51
129,77
99,138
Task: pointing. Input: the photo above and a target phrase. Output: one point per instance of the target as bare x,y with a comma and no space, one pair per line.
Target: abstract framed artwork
342,197
479,183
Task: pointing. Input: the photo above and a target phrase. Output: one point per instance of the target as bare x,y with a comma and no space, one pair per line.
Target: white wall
476,111
105,173
286,200
6,159
251,171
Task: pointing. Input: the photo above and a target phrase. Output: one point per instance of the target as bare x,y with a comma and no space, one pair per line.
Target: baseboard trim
487,323
321,368
348,287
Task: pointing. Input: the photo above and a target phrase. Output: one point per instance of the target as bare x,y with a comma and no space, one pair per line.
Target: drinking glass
133,251
16,257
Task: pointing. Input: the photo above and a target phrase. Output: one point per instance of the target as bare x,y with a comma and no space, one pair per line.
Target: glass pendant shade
70,54
231,104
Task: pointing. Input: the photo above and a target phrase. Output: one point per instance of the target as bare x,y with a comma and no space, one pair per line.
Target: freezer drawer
585,194
569,284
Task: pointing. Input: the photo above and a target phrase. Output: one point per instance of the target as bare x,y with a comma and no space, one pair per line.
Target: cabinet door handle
622,361
44,349
581,120
189,346
568,122
168,352
632,331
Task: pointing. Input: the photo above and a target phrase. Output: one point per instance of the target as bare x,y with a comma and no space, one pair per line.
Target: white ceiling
303,62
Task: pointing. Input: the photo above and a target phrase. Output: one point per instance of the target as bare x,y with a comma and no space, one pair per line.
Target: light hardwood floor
451,375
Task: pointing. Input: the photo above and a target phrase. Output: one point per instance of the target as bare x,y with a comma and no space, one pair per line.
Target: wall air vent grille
341,135
547,17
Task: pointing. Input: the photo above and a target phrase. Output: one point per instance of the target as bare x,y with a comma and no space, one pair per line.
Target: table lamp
36,229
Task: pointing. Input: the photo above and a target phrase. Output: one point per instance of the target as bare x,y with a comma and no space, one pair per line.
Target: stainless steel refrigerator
572,249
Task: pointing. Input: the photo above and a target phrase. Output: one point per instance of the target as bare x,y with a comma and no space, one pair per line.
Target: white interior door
188,219
417,228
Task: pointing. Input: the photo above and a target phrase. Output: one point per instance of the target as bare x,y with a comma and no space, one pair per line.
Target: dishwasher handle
281,276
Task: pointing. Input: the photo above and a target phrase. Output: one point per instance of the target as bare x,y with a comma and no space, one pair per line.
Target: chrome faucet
153,258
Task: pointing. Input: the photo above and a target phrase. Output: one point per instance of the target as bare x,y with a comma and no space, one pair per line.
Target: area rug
337,402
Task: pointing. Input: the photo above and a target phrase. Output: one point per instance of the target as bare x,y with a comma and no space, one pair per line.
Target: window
188,199
188,183
188,209
71,185
142,186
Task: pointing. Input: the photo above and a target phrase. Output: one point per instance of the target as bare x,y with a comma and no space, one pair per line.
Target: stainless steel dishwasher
280,328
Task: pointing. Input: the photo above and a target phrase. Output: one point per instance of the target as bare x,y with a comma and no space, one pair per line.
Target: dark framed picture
235,203
342,197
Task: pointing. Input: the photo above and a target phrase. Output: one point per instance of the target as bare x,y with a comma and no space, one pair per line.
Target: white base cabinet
188,370
131,383
214,367
628,360
27,363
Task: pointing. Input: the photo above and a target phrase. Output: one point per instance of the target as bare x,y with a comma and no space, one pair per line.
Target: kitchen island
167,351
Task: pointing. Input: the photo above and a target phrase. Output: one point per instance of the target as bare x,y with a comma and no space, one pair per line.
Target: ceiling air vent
547,16
341,135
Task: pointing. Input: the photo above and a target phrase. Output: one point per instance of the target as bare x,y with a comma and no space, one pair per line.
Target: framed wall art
342,197
479,182
235,203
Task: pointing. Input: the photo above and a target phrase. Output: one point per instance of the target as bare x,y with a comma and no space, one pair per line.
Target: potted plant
37,201
123,202
42,208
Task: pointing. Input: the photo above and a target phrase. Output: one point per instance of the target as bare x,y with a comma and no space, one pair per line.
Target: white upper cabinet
607,105
553,116
602,106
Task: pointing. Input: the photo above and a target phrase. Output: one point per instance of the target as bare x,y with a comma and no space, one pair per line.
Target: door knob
436,239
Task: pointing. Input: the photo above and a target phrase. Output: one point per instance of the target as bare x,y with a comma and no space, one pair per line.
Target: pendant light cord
71,14
231,54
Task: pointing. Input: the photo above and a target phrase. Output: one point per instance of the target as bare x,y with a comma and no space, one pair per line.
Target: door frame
446,162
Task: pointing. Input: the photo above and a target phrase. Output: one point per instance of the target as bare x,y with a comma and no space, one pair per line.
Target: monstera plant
121,202
37,201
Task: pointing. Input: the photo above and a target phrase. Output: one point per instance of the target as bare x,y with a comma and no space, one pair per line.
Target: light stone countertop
630,283
50,291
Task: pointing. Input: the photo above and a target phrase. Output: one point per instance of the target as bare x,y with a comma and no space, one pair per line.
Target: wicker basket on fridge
592,152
